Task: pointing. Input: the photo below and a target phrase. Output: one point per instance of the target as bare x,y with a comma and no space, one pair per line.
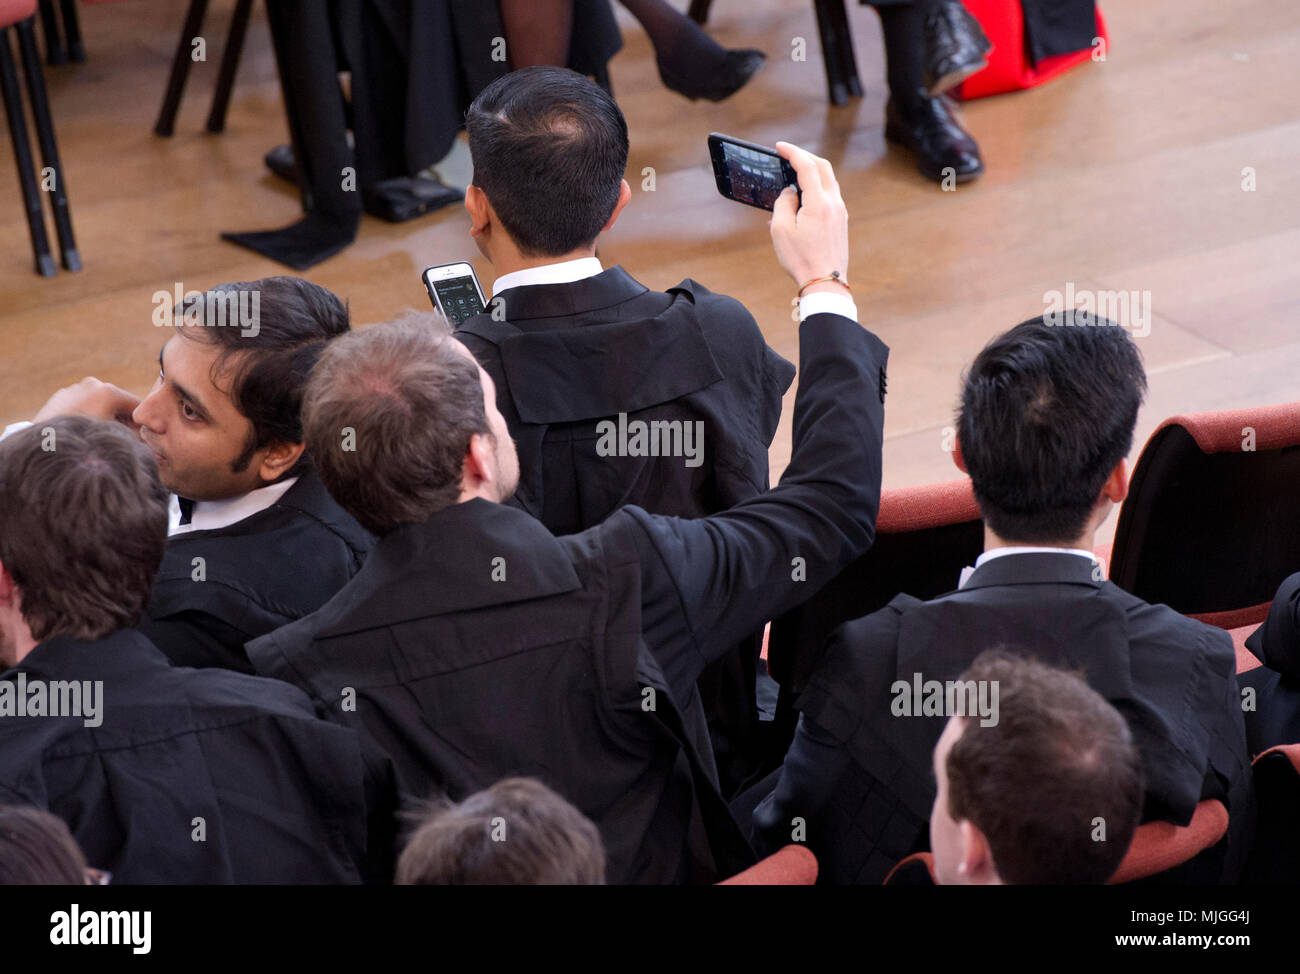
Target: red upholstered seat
12,11
1010,68
794,865
1159,846
1211,525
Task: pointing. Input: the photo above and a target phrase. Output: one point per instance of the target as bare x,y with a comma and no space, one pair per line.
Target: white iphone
455,291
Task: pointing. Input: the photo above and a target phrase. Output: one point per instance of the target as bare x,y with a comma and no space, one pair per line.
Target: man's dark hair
516,833
549,149
1047,411
268,365
36,849
83,523
388,415
1058,763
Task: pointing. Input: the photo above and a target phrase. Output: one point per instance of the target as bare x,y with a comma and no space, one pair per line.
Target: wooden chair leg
229,65
72,32
699,11
45,265
180,68
54,52
49,145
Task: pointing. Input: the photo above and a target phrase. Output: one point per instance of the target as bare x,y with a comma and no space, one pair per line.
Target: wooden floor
1126,174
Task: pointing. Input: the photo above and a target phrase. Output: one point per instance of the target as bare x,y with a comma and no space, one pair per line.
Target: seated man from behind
1046,420
1048,793
475,645
615,394
163,774
516,833
255,539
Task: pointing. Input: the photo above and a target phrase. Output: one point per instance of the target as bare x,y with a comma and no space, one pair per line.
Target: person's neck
15,645
509,263
1083,543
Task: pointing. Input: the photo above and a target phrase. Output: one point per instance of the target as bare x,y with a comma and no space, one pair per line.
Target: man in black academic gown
1046,420
587,360
474,644
163,774
255,539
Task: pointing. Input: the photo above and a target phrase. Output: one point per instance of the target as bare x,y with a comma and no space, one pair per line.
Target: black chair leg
836,83
72,31
229,65
699,11
848,59
180,68
601,77
45,265
54,52
49,145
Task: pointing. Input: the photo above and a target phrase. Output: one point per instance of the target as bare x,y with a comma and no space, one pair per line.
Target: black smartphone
749,173
455,291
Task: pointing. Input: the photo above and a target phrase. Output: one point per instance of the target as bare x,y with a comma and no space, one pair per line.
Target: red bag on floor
1010,67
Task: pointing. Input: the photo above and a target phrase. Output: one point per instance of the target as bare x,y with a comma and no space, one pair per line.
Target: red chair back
1216,492
794,865
925,536
1160,846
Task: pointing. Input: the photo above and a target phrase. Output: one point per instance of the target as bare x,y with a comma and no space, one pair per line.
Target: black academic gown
569,359
196,776
479,645
254,576
861,777
1052,27
1275,718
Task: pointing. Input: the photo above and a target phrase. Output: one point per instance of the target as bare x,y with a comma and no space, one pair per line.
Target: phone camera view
459,299
756,177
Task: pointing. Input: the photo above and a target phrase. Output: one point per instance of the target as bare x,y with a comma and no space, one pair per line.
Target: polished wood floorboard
1126,174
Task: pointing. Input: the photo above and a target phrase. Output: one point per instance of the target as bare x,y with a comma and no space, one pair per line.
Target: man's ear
1116,487
624,197
478,462
480,210
976,864
278,459
957,458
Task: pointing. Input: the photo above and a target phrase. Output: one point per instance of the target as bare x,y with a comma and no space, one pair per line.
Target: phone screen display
459,299
756,177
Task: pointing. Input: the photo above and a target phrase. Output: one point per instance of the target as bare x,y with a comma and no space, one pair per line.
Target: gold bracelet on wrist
833,277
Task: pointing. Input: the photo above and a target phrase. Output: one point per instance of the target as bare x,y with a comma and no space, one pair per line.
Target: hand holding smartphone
749,173
454,290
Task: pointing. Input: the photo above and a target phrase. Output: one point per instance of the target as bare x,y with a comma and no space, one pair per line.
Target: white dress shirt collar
992,553
564,272
211,515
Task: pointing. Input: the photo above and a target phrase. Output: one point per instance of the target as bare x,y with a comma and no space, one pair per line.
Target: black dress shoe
956,47
737,69
929,130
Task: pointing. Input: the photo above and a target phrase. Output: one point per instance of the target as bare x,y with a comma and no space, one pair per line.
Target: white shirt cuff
827,303
13,428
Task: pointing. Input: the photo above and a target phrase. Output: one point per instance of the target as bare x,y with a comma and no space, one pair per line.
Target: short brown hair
516,833
1058,759
83,524
388,415
36,849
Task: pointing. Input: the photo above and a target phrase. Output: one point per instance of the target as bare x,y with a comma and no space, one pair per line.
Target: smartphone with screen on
749,173
455,291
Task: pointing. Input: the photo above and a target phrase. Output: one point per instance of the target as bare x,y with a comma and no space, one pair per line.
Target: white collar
1028,550
212,515
564,272
992,553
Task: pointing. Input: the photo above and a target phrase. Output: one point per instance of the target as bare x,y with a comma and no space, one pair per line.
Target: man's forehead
192,362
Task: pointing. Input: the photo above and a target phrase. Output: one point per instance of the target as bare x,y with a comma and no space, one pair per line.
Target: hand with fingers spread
812,239
94,398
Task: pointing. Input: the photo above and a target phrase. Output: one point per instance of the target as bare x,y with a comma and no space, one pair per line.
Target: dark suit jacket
569,357
282,794
1276,643
477,645
861,777
257,574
